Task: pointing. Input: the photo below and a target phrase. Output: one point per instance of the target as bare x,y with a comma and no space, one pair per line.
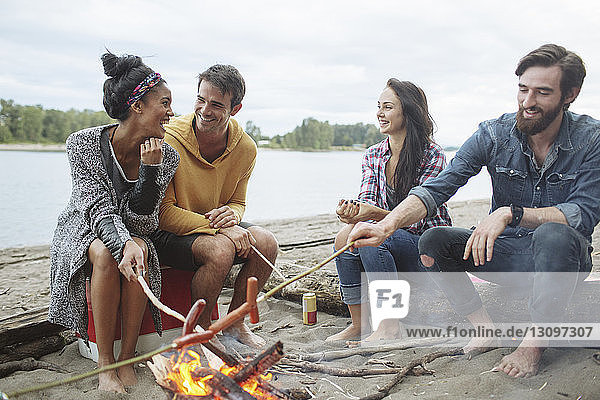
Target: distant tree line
317,135
36,125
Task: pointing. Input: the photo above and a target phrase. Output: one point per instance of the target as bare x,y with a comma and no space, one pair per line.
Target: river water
35,186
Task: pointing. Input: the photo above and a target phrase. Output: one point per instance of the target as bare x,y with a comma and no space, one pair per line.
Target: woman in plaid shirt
390,168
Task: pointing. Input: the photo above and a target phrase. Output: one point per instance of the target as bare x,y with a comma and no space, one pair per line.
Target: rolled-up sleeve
572,214
582,207
467,162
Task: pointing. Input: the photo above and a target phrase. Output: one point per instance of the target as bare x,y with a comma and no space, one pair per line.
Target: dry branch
364,350
306,366
421,361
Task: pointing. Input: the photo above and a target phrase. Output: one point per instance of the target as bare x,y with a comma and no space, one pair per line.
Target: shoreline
460,210
56,147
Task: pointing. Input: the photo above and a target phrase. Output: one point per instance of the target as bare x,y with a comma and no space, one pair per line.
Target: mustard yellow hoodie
199,186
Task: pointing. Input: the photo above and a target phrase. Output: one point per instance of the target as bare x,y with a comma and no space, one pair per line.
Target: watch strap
517,215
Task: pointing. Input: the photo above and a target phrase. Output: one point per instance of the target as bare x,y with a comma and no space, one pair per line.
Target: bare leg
480,345
105,298
215,256
359,313
352,331
254,267
524,361
133,305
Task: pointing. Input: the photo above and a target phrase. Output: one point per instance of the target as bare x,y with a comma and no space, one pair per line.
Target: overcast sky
323,59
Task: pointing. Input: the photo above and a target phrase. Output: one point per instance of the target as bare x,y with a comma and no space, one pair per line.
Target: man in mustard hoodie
200,221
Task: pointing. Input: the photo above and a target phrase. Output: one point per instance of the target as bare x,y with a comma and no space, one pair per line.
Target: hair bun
117,66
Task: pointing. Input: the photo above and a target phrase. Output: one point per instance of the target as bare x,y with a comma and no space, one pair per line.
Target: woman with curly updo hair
119,175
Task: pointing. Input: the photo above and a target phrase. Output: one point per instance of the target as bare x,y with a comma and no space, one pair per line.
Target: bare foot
387,330
521,363
244,335
109,382
127,375
352,332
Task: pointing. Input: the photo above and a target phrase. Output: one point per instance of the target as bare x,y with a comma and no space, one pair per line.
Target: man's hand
481,241
151,151
133,256
367,234
242,239
222,217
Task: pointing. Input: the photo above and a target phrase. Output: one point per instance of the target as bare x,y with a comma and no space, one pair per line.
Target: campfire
184,376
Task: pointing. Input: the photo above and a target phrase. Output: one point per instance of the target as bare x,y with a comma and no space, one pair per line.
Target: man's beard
532,127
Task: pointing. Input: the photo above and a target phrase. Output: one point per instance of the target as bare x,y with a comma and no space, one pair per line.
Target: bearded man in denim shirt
544,162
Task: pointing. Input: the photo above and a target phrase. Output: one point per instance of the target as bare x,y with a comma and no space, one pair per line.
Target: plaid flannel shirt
373,186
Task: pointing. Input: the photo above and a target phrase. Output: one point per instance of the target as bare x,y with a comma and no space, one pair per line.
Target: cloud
327,60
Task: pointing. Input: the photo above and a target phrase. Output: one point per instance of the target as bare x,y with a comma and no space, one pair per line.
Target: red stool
175,294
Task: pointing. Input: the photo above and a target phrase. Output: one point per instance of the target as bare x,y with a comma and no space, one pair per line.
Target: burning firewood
221,385
185,376
261,363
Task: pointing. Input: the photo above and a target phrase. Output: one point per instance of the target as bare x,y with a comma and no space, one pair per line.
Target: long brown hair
419,134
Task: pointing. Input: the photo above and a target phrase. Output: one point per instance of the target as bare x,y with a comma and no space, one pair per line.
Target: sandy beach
565,373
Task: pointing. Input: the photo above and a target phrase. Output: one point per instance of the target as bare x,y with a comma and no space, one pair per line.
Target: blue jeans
399,253
544,254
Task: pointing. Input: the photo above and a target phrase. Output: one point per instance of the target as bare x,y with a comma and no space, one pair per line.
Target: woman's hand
353,211
151,151
347,210
133,256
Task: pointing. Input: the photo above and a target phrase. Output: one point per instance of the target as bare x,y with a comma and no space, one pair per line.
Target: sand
565,373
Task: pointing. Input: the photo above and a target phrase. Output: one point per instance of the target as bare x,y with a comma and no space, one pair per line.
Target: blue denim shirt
569,179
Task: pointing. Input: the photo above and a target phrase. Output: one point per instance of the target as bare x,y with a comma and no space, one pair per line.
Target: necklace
112,135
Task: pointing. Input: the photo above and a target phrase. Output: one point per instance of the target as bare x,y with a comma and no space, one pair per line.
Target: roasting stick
157,302
250,307
262,298
269,263
277,288
208,350
5,396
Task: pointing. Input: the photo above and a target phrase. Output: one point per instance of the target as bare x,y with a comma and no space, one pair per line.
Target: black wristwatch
517,215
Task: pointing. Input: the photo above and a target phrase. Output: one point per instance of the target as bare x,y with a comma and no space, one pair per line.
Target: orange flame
187,361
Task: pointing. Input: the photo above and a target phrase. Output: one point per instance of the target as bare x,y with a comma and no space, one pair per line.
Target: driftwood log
27,364
27,326
36,348
29,334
